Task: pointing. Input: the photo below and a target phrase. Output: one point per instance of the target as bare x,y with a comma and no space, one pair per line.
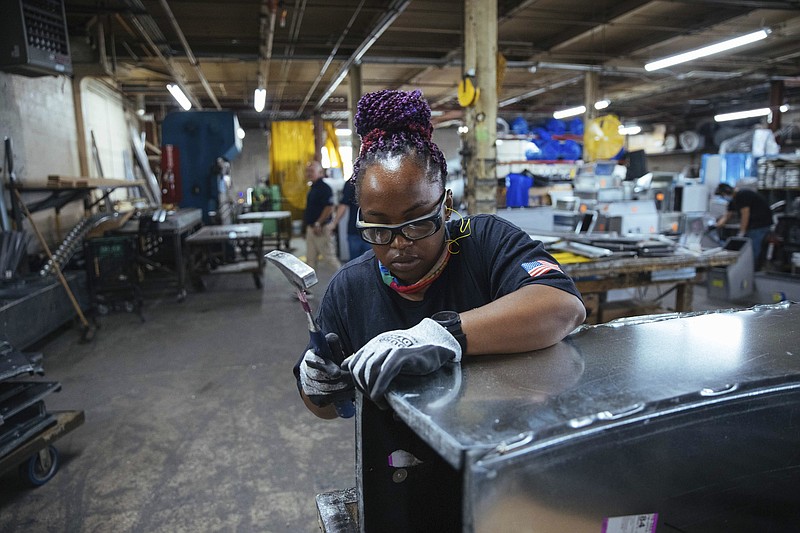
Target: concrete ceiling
300,51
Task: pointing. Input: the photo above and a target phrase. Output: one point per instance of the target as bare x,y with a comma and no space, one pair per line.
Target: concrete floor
193,422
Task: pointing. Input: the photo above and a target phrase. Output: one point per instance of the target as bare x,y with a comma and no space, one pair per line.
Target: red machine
171,193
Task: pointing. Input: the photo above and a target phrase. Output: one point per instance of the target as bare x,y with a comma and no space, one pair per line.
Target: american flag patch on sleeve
537,268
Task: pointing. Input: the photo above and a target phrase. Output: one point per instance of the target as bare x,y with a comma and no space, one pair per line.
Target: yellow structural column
480,115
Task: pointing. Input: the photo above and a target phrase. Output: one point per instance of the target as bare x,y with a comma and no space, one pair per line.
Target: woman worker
435,288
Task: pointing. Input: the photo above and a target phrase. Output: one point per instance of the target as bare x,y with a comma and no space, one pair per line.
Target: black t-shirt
319,196
492,258
760,213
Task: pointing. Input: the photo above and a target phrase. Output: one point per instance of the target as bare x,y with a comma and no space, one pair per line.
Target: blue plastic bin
517,186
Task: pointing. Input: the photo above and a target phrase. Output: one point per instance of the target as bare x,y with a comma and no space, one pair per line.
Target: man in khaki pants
318,219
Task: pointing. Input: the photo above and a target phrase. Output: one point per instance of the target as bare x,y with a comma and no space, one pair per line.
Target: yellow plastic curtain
290,150
332,144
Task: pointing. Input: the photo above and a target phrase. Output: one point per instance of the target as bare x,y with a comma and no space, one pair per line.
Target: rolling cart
37,458
27,429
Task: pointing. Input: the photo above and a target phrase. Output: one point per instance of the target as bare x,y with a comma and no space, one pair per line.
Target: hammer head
298,273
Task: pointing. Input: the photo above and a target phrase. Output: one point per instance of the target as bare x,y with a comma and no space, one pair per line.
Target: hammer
303,277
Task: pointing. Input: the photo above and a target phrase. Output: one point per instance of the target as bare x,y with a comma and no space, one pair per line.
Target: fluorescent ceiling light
571,112
784,108
602,104
738,115
707,50
344,132
629,130
178,95
259,99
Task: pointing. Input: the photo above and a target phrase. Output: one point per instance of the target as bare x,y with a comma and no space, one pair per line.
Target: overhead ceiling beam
789,5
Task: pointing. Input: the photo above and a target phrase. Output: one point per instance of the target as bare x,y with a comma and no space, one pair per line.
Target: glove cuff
451,321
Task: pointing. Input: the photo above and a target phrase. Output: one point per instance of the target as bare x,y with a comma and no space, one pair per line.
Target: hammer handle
344,406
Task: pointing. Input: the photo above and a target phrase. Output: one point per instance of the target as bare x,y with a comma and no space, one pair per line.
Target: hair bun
394,111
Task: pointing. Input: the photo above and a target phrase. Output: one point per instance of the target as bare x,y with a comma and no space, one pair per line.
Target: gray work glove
419,350
323,381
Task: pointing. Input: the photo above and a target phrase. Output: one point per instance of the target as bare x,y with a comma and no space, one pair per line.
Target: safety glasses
413,230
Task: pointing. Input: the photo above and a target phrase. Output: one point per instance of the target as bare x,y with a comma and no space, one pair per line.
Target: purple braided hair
397,123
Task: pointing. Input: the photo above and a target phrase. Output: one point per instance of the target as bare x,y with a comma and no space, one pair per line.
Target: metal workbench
226,249
282,221
162,246
682,422
680,269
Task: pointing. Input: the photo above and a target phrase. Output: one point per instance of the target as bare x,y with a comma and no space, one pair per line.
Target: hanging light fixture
178,95
632,129
580,110
750,113
571,112
707,50
259,99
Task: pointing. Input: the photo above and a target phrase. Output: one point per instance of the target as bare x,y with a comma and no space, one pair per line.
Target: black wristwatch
451,321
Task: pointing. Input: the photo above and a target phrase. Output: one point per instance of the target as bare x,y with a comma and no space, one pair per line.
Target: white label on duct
640,523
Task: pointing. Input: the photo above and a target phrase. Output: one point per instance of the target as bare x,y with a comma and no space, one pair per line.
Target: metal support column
776,92
590,91
319,133
353,96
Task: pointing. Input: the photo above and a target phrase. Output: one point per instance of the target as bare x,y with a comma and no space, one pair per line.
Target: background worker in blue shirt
318,219
755,216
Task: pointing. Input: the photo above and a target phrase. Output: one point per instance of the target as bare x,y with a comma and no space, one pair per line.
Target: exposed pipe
294,31
137,7
331,57
540,90
392,12
266,36
189,54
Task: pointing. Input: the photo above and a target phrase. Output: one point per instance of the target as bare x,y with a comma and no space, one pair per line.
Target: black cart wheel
41,467
257,280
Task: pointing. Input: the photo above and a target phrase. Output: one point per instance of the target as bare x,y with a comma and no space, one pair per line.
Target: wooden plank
83,182
636,265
